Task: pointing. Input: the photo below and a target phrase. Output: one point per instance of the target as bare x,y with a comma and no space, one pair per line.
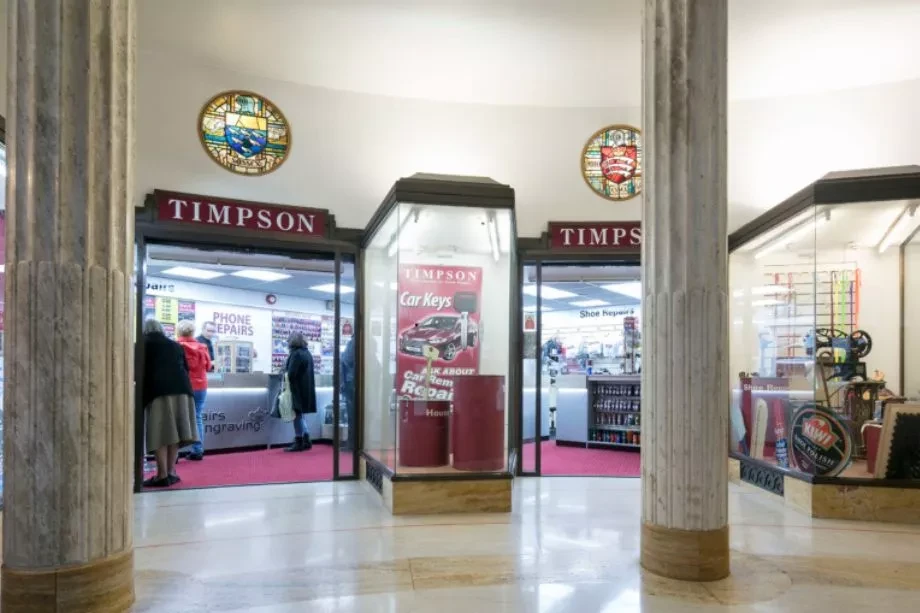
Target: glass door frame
537,253
343,244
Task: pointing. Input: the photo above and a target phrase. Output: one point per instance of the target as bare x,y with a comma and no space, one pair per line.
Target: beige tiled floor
571,545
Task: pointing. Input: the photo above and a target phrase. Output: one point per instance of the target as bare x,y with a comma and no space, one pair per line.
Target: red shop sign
610,235
188,208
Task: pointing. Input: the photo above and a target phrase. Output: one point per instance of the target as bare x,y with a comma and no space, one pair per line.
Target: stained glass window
611,162
245,133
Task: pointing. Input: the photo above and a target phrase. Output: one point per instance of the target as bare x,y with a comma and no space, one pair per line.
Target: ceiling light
261,275
533,308
768,302
329,288
493,236
548,293
901,229
783,241
633,289
589,303
192,273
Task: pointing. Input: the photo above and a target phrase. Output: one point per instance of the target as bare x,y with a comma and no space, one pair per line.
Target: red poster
439,313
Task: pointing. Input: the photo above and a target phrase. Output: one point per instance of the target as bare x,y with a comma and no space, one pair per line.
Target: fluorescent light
777,231
329,288
547,292
902,228
531,309
261,275
493,236
769,302
795,234
633,289
192,273
589,303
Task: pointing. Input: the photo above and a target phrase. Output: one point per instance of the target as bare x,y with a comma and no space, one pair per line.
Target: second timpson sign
614,235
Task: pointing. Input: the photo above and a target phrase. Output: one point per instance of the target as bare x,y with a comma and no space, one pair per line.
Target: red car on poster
443,332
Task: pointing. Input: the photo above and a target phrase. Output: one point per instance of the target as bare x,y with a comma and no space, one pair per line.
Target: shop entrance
253,305
582,350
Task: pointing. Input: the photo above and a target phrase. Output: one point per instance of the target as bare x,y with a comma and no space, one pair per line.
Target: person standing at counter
302,380
169,405
199,365
207,333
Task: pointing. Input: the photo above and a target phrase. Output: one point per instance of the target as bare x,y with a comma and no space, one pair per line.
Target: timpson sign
609,236
174,207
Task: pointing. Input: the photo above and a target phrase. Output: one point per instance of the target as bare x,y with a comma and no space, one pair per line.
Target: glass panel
530,363
453,345
911,284
348,369
380,268
2,301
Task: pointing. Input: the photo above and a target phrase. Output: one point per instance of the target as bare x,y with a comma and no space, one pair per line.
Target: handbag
286,400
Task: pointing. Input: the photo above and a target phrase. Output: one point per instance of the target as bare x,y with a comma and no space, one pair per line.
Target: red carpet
577,461
258,467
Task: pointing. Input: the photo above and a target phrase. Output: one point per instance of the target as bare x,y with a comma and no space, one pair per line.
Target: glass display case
825,352
439,280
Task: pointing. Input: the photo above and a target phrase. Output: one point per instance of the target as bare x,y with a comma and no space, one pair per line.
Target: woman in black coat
301,378
169,406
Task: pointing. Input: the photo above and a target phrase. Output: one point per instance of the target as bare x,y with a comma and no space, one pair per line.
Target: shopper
199,365
169,404
207,334
302,383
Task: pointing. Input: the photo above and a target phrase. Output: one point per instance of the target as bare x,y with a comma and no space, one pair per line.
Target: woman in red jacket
199,364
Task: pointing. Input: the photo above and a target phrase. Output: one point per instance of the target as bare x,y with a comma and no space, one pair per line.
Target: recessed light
329,288
547,292
531,309
192,273
261,275
589,303
633,289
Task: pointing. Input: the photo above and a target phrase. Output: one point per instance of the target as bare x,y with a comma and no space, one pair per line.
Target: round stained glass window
245,133
611,162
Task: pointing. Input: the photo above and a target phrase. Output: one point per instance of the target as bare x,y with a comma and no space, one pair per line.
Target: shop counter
571,409
238,407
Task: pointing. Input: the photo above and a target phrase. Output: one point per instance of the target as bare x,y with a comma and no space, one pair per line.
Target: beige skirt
171,421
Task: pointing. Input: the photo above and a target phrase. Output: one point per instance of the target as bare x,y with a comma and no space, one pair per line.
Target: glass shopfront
244,306
826,380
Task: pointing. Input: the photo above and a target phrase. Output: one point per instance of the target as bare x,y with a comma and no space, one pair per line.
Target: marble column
685,384
69,406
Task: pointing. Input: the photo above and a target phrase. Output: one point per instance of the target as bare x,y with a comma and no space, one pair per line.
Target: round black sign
820,442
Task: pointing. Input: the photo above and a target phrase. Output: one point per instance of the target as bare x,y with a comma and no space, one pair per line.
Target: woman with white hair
169,406
199,364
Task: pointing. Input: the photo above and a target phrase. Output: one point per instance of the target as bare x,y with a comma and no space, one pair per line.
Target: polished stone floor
571,545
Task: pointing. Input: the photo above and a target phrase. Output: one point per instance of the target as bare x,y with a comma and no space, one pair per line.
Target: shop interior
582,348
825,352
249,304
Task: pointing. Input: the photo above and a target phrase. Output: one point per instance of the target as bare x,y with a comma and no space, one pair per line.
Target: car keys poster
439,308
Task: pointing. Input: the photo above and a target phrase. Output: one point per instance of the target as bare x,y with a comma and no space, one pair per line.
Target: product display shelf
614,412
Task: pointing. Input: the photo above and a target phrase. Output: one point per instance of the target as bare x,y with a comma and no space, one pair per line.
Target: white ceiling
556,53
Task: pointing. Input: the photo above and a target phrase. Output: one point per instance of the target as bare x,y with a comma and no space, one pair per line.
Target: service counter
238,407
571,407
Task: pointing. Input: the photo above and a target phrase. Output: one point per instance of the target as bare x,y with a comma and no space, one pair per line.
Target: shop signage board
439,307
821,443
219,212
602,236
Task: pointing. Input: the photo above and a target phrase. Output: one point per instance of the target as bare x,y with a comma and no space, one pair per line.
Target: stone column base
688,555
100,586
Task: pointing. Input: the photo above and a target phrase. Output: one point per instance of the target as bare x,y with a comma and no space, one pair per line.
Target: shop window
823,379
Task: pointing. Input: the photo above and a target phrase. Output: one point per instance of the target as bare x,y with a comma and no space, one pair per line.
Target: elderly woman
199,364
301,377
169,405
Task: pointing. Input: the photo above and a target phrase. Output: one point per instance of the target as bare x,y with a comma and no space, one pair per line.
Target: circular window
244,132
611,162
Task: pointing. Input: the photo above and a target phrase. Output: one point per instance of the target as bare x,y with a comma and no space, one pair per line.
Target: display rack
614,412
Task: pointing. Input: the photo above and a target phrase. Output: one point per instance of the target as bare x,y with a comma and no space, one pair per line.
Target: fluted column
67,521
685,314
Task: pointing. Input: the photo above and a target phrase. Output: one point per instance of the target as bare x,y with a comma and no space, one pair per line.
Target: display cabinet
439,273
823,361
614,408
